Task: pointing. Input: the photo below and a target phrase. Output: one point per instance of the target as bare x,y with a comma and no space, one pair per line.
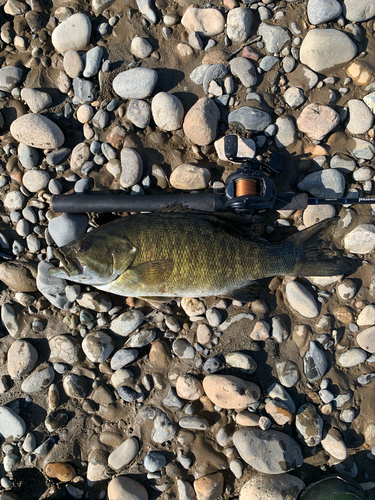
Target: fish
333,488
171,254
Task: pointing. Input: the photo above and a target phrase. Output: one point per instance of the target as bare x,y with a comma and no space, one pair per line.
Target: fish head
94,259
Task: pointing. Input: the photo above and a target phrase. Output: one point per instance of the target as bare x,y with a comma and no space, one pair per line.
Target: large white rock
207,22
167,111
124,488
301,300
136,83
358,11
37,131
72,34
124,453
361,240
11,425
275,487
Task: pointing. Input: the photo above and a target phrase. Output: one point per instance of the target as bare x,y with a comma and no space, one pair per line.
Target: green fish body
188,254
333,488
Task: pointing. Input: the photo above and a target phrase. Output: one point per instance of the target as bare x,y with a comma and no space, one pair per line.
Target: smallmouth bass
333,488
180,254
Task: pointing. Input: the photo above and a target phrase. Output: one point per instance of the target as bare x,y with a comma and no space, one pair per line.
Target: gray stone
123,357
301,300
72,34
172,401
97,346
83,91
12,426
36,99
9,320
212,365
309,425
249,118
136,83
21,358
163,430
64,348
358,11
275,37
141,339
314,363
14,200
360,117
100,119
361,149
124,454
239,24
139,113
140,47
195,41
324,184
40,379
154,461
288,373
343,163
73,64
286,132
10,77
352,357
67,227
294,97
167,111
132,167
195,423
268,62
322,11
51,287
275,487
289,63
127,322
244,70
183,349
322,49
57,157
37,131
93,62
197,75
28,156
269,452
145,8
35,180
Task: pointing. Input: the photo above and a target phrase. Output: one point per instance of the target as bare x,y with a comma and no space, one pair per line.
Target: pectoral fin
151,273
245,294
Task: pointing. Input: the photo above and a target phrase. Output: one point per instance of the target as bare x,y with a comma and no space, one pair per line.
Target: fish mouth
69,266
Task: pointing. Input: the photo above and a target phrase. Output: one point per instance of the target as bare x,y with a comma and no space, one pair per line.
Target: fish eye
82,248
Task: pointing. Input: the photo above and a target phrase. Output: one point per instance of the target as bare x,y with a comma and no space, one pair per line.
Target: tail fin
313,255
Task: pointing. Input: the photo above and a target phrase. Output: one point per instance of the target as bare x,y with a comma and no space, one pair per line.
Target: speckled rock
239,24
22,357
275,487
167,111
37,131
125,488
188,176
309,424
227,391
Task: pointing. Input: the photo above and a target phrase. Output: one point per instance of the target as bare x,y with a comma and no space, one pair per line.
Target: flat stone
132,167
244,70
172,401
183,349
275,487
361,240
316,213
197,75
249,118
334,444
28,156
360,117
140,47
154,461
314,363
227,391
201,121
136,83
288,373
67,227
145,8
352,357
188,176
189,387
51,287
207,22
294,97
72,34
35,180
37,131
317,120
40,379
21,358
93,62
268,62
97,346
303,77
239,24
286,132
124,454
36,99
73,64
10,76
63,348
309,424
124,488
83,91
241,361
274,37
367,316
301,300
279,412
167,111
209,487
366,339
322,49
246,148
322,11
269,452
12,426
329,183
127,322
361,149
139,113
123,357
358,11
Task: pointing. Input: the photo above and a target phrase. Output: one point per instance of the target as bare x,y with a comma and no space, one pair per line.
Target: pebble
268,62
274,37
12,426
124,454
245,148
73,63
320,12
29,157
40,379
301,300
97,346
37,131
201,121
207,22
244,70
72,34
22,357
140,47
252,119
360,240
167,111
294,97
333,444
62,471
51,287
316,213
125,488
189,387
139,113
360,117
288,373
172,401
209,487
309,424
241,361
35,180
269,452
197,76
67,227
329,183
123,357
145,7
352,357
239,24
367,316
154,461
279,412
261,331
358,12
93,62
183,349
286,132
275,487
36,100
227,391
83,91
366,339
212,365
314,363
361,149
188,176
132,167
318,42
317,120
136,83
10,77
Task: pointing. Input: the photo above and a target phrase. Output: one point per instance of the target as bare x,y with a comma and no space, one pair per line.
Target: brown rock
360,73
230,392
189,387
345,315
247,419
209,487
188,177
160,354
317,120
116,137
201,122
215,57
61,470
124,488
279,412
19,276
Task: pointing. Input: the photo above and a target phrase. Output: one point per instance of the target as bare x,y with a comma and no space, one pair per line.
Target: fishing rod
248,191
